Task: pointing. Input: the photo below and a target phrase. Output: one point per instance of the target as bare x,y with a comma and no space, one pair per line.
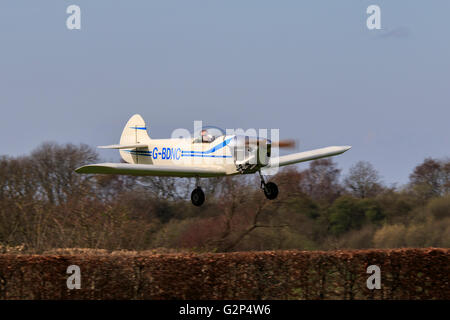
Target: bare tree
363,180
321,180
431,178
54,166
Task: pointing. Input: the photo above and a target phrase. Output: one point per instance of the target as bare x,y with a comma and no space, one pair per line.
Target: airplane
213,153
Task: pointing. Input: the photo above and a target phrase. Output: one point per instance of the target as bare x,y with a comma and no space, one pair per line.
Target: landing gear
270,189
197,196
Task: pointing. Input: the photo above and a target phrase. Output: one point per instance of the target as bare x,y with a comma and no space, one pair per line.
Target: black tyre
270,190
197,197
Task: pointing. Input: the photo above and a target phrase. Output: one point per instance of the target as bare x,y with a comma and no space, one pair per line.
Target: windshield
208,134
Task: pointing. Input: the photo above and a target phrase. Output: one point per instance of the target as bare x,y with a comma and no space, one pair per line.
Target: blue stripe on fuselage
213,149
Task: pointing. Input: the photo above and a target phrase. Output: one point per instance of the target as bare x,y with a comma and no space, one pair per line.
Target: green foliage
303,205
349,213
397,206
439,208
345,215
372,210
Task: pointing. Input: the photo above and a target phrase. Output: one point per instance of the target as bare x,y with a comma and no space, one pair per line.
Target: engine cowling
250,153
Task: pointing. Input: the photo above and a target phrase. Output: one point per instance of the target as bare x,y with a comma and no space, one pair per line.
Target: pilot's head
206,137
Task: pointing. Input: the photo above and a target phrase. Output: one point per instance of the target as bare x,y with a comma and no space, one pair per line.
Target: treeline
44,205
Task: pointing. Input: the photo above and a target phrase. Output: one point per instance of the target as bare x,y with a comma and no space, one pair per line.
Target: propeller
288,143
284,144
244,147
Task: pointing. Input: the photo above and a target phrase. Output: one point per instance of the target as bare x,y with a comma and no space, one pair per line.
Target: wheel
270,190
197,197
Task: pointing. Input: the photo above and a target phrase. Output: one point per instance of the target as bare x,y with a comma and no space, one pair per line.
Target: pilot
206,138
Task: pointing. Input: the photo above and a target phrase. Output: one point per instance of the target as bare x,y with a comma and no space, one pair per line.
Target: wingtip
79,170
342,148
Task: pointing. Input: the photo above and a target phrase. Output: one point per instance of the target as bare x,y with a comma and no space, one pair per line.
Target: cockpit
208,134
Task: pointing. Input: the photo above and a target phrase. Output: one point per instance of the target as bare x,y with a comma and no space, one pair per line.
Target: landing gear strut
270,189
197,196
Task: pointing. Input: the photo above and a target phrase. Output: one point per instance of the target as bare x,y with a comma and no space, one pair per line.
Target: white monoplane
210,154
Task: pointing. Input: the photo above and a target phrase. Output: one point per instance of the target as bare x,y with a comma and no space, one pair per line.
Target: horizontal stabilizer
124,146
152,170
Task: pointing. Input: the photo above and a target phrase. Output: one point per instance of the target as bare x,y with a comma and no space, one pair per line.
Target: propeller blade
253,141
284,144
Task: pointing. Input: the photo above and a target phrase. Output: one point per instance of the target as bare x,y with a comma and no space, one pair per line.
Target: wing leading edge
152,170
308,155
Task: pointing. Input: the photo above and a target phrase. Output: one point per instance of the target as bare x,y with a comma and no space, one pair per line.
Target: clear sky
310,68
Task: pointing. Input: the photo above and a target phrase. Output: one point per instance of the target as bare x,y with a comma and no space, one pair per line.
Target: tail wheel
270,190
197,197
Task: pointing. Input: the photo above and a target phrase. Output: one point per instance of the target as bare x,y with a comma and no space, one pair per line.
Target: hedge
342,274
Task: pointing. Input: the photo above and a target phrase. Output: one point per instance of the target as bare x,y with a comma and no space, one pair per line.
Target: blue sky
310,68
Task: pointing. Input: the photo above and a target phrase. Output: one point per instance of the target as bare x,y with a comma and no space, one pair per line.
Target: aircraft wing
152,170
307,155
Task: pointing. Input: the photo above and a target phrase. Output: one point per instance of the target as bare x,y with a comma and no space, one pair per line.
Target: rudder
135,131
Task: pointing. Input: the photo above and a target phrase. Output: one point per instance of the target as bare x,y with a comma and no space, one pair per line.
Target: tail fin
134,133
